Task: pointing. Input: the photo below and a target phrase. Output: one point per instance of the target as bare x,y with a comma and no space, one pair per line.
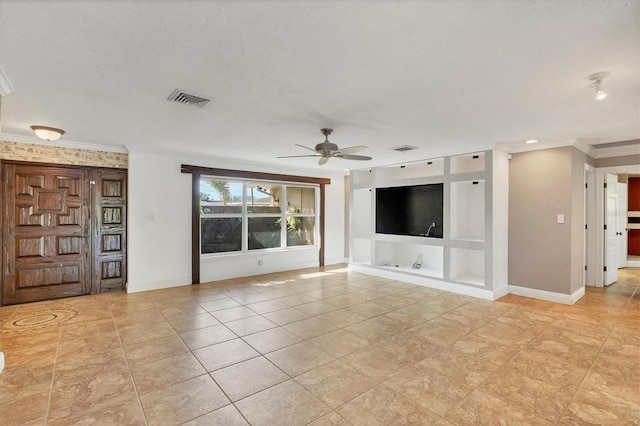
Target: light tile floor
323,347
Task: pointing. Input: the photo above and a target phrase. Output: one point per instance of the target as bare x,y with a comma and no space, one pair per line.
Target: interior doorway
605,243
64,231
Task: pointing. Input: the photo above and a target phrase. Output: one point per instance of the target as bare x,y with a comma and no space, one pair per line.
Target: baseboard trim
157,285
633,263
336,260
549,296
500,292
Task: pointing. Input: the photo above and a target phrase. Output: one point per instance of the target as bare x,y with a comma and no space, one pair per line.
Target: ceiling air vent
183,97
404,148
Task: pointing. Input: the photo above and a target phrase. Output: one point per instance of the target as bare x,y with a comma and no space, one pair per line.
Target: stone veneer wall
62,155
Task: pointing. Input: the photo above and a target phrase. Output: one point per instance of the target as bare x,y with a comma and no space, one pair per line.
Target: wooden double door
63,231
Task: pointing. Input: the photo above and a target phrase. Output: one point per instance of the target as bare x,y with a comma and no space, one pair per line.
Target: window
220,216
238,216
264,216
301,215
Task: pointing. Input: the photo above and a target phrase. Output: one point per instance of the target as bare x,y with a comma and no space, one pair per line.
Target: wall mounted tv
410,210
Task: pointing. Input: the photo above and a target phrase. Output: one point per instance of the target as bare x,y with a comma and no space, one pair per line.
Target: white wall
500,222
159,226
159,223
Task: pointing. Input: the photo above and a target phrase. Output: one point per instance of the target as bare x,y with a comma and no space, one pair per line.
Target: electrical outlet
260,262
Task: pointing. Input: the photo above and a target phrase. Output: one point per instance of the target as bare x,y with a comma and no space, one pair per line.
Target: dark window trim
185,168
198,171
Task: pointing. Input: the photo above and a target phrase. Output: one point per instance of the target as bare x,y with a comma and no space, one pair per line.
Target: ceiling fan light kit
326,150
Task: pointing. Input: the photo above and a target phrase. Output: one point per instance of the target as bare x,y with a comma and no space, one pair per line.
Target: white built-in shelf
468,163
404,255
361,250
633,213
467,210
410,171
409,239
457,260
361,221
426,272
470,279
467,265
362,177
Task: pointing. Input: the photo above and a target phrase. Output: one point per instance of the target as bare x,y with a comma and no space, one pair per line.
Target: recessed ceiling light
531,141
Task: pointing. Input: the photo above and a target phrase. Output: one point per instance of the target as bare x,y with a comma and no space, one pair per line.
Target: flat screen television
410,210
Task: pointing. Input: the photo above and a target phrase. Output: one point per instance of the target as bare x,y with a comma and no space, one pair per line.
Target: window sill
261,251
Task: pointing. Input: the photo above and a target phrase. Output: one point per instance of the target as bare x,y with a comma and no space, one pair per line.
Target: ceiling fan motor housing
326,147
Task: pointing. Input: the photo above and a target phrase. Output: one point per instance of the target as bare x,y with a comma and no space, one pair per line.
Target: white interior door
621,224
610,232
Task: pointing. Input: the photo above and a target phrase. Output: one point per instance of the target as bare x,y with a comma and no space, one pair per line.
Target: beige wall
578,160
543,254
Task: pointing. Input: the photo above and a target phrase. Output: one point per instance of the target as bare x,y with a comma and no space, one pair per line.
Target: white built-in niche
458,260
467,210
412,258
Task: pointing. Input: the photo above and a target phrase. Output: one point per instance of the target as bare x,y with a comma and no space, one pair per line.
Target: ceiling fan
327,150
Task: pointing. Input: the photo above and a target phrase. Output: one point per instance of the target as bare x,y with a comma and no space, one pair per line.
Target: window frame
196,171
246,215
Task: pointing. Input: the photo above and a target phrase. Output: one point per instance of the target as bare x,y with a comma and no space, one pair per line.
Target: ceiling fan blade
297,156
305,147
352,149
323,160
353,157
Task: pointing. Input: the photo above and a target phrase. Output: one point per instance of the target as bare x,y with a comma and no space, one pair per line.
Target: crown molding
595,153
616,151
584,147
64,144
517,147
5,85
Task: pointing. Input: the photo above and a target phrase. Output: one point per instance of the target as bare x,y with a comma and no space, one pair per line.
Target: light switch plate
560,218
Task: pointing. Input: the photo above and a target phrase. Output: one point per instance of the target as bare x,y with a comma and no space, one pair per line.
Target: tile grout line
379,382
53,374
618,320
124,353
604,342
499,367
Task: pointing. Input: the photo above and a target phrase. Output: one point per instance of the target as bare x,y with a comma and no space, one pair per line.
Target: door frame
90,201
599,196
589,252
610,231
621,224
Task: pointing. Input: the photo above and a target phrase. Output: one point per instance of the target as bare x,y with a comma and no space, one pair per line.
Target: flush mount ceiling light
597,78
531,141
47,133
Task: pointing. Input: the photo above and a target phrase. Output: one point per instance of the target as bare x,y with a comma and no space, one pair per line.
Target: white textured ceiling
445,76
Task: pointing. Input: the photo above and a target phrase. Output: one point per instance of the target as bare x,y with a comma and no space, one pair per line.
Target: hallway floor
323,347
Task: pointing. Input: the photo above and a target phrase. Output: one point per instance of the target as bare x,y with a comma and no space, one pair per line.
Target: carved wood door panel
109,225
63,231
45,237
